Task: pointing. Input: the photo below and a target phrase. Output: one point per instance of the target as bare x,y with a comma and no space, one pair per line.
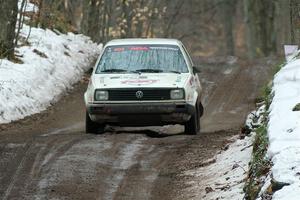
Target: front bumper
140,108
141,113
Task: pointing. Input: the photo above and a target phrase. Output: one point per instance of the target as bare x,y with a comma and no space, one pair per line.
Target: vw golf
144,82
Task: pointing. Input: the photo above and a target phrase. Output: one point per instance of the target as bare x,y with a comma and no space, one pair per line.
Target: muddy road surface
48,155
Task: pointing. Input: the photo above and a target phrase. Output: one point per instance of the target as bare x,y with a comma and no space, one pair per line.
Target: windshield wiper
118,71
114,70
172,71
149,70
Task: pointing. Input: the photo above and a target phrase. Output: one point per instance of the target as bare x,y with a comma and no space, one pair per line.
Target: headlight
177,94
101,95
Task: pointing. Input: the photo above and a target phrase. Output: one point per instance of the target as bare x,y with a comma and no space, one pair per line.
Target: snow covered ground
225,175
52,63
284,131
225,178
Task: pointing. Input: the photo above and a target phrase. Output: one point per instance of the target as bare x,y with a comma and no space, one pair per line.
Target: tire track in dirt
32,163
219,99
16,175
74,164
148,161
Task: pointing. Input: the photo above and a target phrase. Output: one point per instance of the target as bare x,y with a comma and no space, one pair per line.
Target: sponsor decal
164,48
139,82
138,48
119,49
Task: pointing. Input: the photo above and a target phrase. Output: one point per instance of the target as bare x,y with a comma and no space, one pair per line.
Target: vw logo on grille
139,94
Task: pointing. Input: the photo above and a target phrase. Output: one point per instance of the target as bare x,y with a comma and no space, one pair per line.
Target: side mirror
91,70
196,70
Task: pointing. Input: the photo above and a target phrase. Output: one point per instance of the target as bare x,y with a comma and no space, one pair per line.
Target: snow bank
225,178
52,64
225,175
284,131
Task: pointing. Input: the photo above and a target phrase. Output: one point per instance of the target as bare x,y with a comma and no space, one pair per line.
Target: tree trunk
140,23
173,18
227,13
261,36
127,16
108,24
150,21
91,23
8,19
283,27
250,40
295,21
45,13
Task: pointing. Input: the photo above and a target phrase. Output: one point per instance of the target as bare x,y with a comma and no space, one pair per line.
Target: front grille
131,94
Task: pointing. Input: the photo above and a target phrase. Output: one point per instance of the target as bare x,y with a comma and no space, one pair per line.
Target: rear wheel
192,127
93,127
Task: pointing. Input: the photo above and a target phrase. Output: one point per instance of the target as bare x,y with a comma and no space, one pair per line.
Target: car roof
138,41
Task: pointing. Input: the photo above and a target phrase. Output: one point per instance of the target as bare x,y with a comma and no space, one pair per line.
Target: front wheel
192,127
91,126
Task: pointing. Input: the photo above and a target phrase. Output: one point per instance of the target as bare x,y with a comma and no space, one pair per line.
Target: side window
188,55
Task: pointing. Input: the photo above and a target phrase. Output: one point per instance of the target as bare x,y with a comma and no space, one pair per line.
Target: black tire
192,127
201,110
93,127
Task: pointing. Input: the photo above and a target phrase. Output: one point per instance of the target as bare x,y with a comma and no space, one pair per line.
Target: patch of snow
231,60
250,119
28,7
224,179
288,193
15,145
286,168
228,71
52,63
255,118
284,131
67,129
266,185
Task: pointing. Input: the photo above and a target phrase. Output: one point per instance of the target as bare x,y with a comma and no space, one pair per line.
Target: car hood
145,80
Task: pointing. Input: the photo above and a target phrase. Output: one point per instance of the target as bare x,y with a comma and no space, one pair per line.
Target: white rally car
144,82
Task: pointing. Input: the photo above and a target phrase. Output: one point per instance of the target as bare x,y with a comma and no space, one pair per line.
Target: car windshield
142,58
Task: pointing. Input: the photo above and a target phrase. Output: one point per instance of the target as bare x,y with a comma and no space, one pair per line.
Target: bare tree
227,14
44,19
173,17
295,21
8,19
260,16
20,20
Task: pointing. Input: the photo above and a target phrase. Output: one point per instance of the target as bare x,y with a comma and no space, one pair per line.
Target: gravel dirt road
48,155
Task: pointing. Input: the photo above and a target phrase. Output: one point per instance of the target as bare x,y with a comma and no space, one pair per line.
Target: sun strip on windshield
141,48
